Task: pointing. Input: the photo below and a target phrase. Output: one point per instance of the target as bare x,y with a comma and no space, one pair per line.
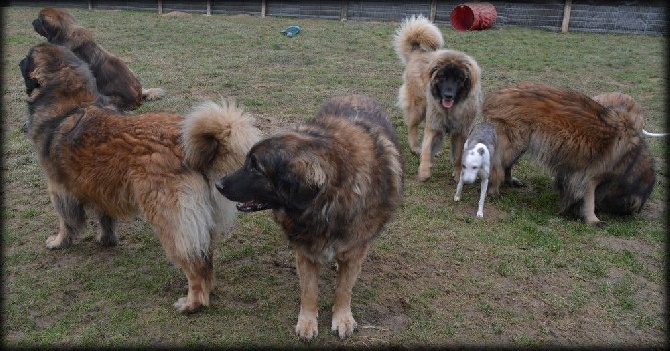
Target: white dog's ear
481,151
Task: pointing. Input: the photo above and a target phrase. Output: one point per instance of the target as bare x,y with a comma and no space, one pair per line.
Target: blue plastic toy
291,31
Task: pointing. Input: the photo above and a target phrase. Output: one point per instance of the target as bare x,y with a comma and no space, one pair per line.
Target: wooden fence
605,16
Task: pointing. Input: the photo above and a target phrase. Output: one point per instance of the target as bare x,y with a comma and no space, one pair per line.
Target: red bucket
473,16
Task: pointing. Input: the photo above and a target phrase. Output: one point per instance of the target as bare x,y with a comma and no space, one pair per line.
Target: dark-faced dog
441,87
332,183
113,77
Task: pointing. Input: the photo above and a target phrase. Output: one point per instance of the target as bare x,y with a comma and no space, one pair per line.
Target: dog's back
560,128
359,109
485,133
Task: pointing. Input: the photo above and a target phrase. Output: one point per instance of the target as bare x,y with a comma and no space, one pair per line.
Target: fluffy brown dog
597,154
332,183
113,77
440,86
161,165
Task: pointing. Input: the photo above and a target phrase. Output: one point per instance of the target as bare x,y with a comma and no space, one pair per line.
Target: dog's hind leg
308,273
432,141
413,118
349,267
187,244
512,181
107,235
71,214
200,275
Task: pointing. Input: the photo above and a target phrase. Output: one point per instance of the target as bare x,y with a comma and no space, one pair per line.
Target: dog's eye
253,164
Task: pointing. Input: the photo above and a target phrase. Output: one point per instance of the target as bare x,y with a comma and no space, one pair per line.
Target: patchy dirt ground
437,276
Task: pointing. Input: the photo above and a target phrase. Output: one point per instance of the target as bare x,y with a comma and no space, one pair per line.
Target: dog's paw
57,242
184,306
493,195
344,324
307,327
424,173
515,182
480,214
598,223
457,198
107,240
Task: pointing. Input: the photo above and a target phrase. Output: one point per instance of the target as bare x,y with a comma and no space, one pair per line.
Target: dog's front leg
308,274
457,146
71,214
349,267
459,189
482,196
431,138
589,205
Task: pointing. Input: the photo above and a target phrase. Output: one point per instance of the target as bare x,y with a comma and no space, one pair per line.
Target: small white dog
477,153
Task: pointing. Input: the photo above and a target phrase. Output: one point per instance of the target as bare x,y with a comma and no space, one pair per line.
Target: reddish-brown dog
160,165
597,154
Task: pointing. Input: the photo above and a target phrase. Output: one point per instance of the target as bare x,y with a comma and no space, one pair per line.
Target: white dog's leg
482,197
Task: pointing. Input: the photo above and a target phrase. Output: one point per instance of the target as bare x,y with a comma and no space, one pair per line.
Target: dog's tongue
447,103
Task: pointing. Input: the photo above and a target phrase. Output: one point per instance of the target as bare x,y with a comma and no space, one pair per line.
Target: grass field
437,276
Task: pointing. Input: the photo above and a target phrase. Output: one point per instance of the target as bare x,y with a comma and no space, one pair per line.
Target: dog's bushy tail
625,103
152,94
217,137
416,33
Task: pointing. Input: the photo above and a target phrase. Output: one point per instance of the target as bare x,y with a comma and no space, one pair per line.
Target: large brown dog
332,183
440,86
597,154
161,165
113,77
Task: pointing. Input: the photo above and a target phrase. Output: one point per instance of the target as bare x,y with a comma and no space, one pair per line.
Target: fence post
160,7
345,9
90,5
263,6
566,16
433,10
209,8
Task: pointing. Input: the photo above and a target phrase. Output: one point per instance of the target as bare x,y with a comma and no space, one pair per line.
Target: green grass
521,276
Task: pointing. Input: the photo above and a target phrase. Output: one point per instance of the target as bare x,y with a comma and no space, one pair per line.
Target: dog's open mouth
447,103
252,206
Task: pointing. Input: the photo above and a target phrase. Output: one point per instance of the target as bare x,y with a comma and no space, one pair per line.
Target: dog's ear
467,81
301,182
27,66
433,70
296,193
